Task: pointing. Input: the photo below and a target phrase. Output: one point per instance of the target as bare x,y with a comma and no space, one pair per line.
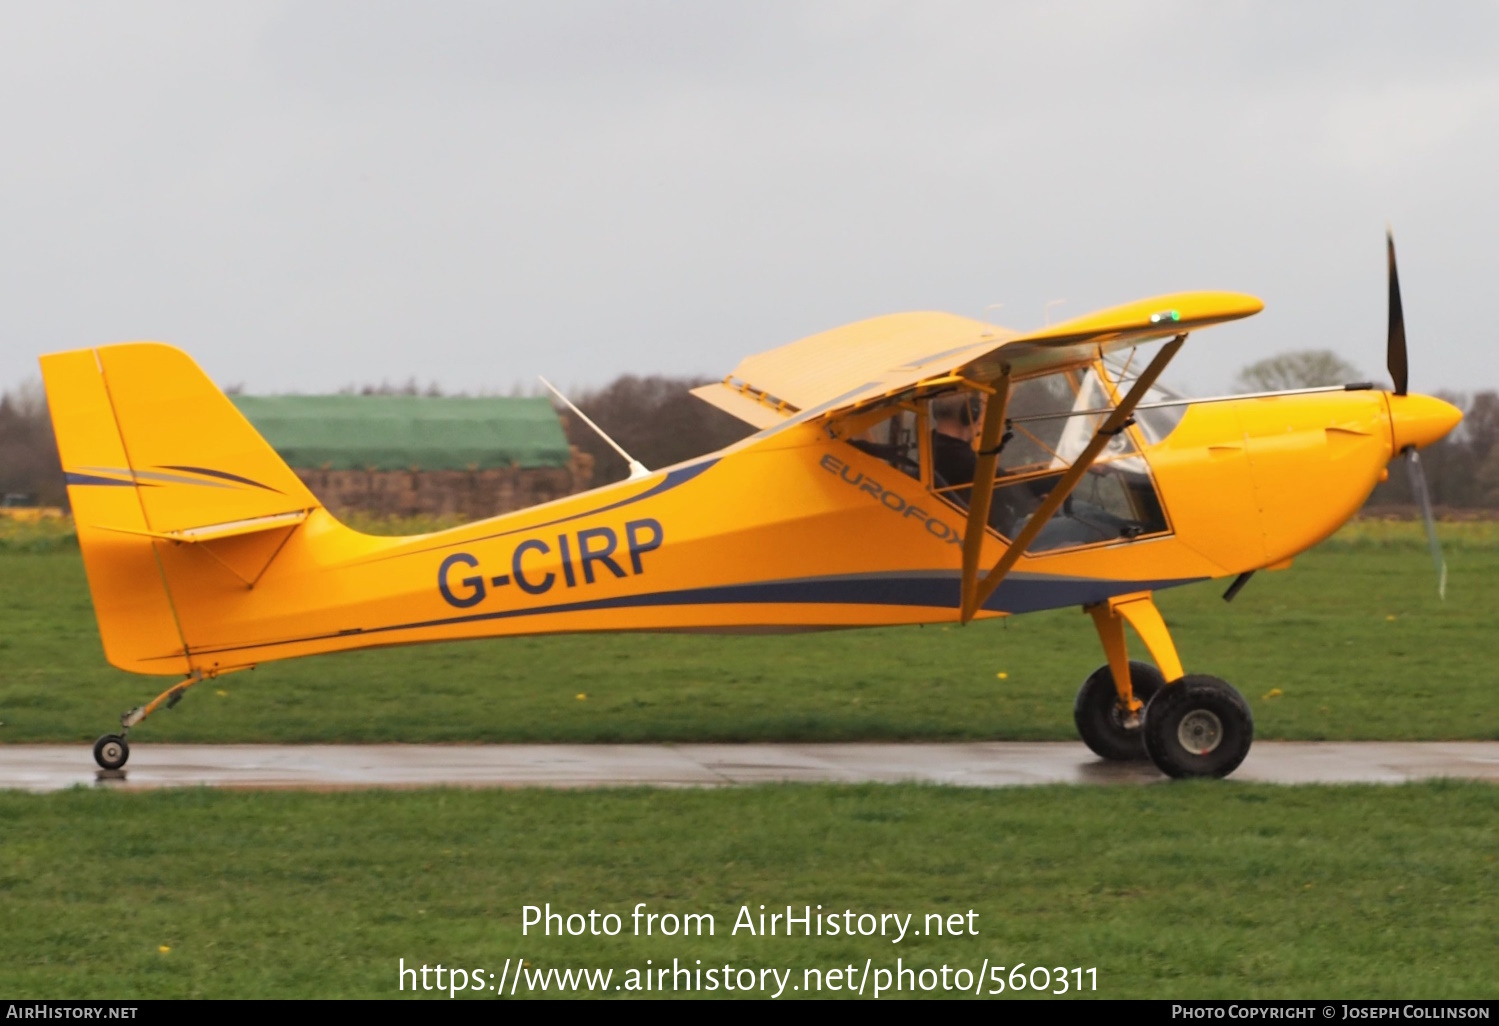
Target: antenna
637,469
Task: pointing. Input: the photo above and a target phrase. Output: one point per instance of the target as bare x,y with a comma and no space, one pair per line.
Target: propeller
1395,360
1395,346
1423,498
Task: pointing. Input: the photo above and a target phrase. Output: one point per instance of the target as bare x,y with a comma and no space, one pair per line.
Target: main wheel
1099,719
1198,727
111,751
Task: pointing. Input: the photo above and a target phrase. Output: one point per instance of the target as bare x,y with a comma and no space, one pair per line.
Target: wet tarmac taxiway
974,764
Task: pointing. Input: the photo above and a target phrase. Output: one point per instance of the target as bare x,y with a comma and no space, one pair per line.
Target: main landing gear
1188,725
112,751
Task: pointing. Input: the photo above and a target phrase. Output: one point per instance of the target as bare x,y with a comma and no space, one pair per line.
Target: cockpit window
896,439
1049,422
1048,426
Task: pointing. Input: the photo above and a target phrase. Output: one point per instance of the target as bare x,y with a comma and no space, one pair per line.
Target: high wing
871,361
904,356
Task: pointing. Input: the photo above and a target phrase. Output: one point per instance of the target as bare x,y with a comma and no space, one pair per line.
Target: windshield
1123,369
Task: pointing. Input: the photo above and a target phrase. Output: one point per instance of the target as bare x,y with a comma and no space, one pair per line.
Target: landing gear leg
112,751
1110,706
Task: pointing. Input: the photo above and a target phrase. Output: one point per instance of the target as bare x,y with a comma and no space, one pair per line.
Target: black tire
1198,727
111,751
1096,712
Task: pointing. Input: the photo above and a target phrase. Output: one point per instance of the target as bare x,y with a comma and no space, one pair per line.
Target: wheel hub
111,751
1125,719
1200,731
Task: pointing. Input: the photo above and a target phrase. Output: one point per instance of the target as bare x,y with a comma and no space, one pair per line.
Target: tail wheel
1101,722
1198,727
111,751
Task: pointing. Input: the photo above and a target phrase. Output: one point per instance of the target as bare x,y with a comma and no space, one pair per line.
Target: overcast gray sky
307,195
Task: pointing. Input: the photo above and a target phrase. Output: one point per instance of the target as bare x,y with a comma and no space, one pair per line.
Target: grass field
1195,890
1350,643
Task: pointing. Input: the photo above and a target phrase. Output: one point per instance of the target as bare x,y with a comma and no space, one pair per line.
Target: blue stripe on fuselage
1015,594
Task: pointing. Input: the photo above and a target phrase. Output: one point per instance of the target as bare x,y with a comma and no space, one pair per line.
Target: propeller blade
1395,346
1423,497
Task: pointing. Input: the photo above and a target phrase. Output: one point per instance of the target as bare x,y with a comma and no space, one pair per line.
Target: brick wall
469,494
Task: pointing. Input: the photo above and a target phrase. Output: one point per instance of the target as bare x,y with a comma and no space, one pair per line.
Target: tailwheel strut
112,751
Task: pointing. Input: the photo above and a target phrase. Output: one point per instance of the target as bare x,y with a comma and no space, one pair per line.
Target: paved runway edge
967,764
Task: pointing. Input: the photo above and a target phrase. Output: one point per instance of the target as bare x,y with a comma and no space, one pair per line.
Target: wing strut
1114,424
982,493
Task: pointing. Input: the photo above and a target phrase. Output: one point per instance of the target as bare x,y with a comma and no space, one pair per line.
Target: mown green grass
1351,643
1201,890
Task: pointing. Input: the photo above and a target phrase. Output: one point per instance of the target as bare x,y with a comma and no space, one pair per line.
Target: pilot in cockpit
954,420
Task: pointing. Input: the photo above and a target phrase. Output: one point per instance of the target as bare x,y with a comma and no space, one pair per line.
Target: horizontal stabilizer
214,532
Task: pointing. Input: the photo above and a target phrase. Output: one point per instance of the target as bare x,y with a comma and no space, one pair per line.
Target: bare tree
28,450
1306,368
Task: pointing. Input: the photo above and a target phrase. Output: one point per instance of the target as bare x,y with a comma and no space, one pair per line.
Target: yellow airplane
913,468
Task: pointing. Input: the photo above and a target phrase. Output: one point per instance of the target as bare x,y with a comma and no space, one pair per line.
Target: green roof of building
402,432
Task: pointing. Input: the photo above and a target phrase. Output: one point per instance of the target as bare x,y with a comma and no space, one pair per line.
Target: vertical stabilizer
157,457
